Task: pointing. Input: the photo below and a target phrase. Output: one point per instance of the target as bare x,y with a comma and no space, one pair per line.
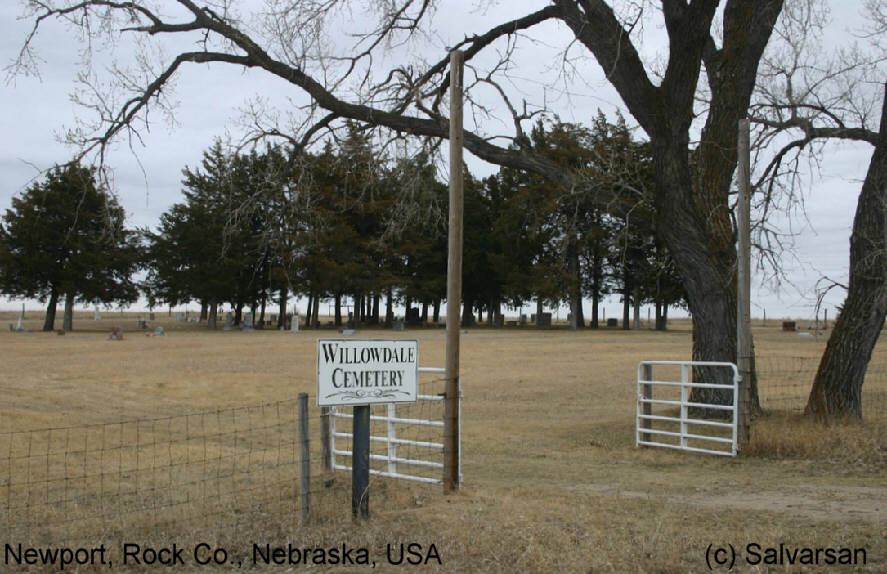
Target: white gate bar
688,448
411,461
395,420
403,441
689,421
683,403
689,435
695,385
437,370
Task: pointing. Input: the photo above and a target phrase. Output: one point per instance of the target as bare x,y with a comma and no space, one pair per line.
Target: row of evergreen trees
347,223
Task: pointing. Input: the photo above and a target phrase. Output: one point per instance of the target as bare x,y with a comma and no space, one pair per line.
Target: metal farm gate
671,425
423,442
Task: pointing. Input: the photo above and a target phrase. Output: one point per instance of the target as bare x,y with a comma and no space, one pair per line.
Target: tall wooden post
454,280
743,283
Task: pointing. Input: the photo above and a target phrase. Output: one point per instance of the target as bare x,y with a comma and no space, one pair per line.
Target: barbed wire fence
217,475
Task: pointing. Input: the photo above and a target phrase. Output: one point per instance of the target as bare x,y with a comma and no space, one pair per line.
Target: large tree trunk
837,388
49,321
212,314
626,300
704,252
596,280
577,319
68,321
315,319
467,313
337,319
281,311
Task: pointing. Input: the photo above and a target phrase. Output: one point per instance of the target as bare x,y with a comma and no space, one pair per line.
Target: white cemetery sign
362,372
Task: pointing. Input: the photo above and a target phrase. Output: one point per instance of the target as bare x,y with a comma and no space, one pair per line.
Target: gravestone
612,322
413,316
500,321
96,316
180,317
294,324
159,332
141,323
116,334
543,321
247,322
397,326
151,317
533,318
523,319
229,322
789,326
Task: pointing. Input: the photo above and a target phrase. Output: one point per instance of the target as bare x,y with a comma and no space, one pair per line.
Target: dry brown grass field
553,481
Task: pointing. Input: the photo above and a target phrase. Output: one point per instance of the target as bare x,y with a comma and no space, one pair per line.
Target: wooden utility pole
743,283
454,280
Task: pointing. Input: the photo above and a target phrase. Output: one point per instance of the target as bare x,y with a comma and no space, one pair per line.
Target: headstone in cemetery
500,320
397,326
523,319
533,318
789,326
96,316
543,321
229,321
151,317
159,332
294,324
141,323
612,322
180,317
413,316
116,334
247,322
20,327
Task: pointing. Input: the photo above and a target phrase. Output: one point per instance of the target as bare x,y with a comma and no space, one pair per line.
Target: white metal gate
682,437
395,464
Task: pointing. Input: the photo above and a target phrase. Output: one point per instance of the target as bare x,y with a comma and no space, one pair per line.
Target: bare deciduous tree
806,98
379,80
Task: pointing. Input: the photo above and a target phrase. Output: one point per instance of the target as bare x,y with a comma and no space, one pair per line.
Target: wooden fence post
304,456
325,443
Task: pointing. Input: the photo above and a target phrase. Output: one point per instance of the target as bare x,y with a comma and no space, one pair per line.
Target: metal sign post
360,466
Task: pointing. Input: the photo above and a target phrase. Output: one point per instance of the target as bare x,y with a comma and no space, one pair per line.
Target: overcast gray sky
34,111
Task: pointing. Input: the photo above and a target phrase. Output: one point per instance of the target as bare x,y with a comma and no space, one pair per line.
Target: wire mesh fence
784,384
229,473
